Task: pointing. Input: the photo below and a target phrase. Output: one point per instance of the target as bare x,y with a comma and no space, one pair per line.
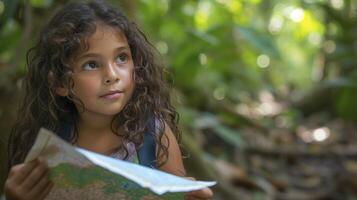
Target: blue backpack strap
65,130
147,152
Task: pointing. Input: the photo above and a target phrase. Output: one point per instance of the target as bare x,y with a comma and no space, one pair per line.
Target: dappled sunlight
233,6
338,4
219,93
275,24
265,90
313,135
202,15
266,106
296,14
263,61
203,59
162,47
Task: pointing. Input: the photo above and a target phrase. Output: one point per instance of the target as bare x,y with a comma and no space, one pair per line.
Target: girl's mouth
112,94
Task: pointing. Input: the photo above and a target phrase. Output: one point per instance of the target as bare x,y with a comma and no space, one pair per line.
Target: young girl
92,79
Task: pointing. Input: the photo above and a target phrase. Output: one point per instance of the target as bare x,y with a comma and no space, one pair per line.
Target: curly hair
48,65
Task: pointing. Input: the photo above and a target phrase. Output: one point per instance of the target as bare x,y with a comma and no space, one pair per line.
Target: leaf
259,41
228,135
205,37
41,3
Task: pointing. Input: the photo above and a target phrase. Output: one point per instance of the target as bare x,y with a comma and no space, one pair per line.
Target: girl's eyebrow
86,55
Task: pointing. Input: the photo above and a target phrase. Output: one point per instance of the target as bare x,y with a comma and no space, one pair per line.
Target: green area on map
93,180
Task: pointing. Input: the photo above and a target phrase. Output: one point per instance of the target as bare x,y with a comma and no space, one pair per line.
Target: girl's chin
104,112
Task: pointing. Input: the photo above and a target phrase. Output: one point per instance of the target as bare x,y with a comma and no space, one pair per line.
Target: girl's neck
94,124
95,134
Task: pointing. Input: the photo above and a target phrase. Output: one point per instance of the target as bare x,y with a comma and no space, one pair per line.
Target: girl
92,78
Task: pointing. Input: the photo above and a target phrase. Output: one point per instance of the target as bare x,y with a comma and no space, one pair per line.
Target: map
81,174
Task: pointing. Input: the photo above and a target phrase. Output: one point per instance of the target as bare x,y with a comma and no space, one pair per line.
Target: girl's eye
122,58
91,65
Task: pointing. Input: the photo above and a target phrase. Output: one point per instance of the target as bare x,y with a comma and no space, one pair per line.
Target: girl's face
103,75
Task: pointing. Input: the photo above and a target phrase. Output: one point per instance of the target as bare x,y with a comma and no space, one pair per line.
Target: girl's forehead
105,37
103,30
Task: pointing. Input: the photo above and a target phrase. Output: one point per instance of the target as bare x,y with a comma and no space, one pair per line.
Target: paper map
81,174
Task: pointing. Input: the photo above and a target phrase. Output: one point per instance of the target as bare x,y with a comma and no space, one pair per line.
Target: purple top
120,154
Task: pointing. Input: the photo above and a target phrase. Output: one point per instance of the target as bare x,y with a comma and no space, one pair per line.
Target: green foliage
41,3
260,42
345,106
219,50
10,35
229,52
9,8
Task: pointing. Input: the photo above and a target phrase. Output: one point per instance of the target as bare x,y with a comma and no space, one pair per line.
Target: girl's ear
62,91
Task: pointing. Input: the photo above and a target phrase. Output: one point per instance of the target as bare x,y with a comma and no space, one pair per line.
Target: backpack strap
65,130
147,152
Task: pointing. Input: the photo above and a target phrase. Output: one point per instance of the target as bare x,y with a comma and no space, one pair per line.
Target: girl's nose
111,75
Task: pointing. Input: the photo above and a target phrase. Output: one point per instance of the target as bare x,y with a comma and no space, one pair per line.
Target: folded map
81,174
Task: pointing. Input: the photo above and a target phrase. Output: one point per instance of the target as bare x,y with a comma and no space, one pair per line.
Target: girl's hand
202,194
28,181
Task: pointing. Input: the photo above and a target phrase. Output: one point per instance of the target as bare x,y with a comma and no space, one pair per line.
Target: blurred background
266,89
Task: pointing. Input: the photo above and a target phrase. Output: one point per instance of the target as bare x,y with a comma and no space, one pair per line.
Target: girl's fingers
41,185
190,178
21,171
188,197
46,191
35,176
204,193
18,173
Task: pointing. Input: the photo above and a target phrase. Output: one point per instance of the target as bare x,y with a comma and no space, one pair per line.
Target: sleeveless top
132,154
145,155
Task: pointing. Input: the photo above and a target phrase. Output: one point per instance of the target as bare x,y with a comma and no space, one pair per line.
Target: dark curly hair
48,65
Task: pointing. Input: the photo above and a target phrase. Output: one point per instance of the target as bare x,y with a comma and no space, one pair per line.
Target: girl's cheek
128,74
86,85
